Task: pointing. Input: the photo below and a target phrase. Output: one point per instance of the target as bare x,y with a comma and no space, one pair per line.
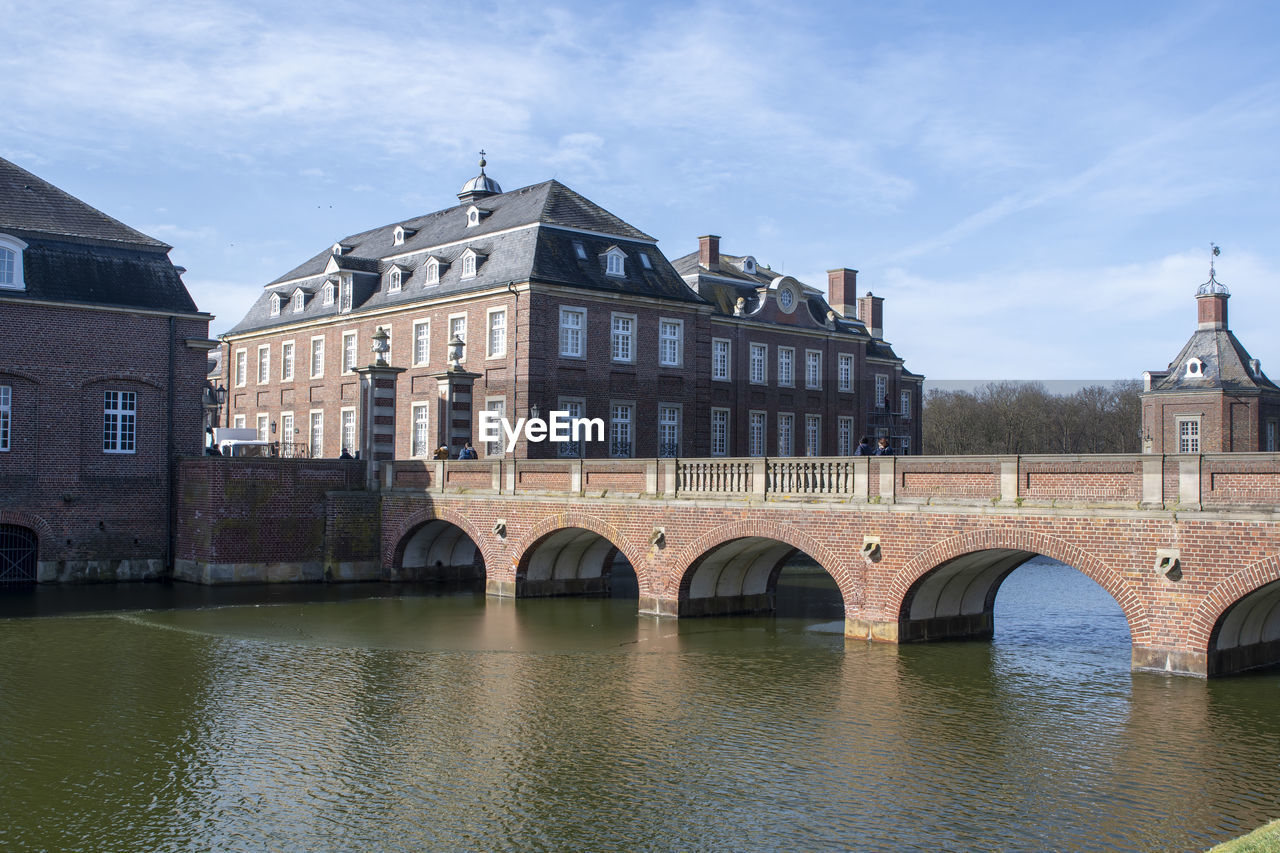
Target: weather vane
1213,254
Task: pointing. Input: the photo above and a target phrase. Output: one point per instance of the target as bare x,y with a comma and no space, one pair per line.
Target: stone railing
1115,480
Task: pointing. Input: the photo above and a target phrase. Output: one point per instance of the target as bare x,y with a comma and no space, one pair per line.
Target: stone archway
575,553
1237,624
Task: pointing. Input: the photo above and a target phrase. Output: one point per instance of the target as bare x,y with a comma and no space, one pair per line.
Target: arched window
11,262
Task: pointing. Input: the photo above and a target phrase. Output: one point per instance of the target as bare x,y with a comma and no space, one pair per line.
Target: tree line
1023,417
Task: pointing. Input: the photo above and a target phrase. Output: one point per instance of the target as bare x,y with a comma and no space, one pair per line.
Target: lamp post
213,398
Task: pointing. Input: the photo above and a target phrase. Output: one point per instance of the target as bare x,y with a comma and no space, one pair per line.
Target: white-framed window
497,405
496,345
786,434
390,350
623,337
264,428
844,436
1188,435
264,364
350,341
421,342
394,279
671,343
317,357
573,325
458,329
288,435
576,407
346,294
614,263
469,265
433,271
119,421
882,393
317,433
759,364
756,434
813,435
274,301
299,301
397,236
904,400
813,368
327,293
348,423
719,432
242,367
473,216
720,350
420,417
621,434
668,429
6,416
11,249
286,361
238,421
786,366
845,371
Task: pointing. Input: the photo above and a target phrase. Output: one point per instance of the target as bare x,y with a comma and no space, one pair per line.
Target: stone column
377,418
454,410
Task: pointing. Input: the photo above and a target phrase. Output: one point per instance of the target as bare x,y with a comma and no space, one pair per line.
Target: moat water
178,718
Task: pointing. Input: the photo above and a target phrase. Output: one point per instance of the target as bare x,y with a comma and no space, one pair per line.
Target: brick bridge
1188,546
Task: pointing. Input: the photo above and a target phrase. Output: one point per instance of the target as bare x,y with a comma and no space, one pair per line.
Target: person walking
864,447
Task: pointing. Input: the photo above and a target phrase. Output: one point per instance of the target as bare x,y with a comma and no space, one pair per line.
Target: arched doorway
19,552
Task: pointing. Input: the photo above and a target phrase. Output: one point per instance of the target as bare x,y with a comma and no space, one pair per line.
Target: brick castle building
102,362
1213,397
561,305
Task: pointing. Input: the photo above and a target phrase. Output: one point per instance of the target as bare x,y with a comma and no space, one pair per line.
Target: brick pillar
377,418
842,291
871,313
454,411
709,252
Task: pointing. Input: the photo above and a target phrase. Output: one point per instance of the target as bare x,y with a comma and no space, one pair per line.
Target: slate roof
1226,366
514,244
76,253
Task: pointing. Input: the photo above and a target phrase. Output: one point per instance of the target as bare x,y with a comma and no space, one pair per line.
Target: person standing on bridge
884,449
864,447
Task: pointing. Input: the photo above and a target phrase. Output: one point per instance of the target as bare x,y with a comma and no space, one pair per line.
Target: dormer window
345,295
613,262
580,250
475,214
339,250
471,261
435,268
299,299
328,293
394,280
1195,368
11,263
399,235
749,265
275,305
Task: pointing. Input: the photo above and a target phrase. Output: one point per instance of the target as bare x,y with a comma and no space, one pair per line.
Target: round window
786,298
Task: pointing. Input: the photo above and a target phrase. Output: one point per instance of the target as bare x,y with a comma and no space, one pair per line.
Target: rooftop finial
482,161
1213,286
1212,254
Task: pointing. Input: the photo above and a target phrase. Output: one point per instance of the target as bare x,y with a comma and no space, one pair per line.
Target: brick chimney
709,252
842,290
1212,310
871,313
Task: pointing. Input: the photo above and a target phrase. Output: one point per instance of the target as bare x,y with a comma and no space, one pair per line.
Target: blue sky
1031,187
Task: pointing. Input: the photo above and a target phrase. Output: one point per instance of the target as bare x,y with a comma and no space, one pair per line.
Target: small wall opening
575,561
1247,635
440,553
19,554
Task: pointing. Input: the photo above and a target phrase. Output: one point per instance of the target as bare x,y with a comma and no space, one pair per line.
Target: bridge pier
1182,662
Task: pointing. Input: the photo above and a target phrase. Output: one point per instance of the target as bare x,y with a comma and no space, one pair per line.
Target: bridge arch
438,544
1238,621
734,568
575,553
948,591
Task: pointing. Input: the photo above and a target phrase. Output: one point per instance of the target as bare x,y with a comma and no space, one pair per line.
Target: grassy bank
1264,839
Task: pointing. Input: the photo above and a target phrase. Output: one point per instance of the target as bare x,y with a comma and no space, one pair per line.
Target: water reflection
367,719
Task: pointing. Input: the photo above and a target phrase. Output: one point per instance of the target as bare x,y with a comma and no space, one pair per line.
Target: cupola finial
483,163
1213,286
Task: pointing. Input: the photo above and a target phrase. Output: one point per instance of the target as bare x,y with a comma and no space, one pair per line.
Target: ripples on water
420,722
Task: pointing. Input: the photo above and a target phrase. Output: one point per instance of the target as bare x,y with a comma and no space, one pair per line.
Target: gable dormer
749,265
614,262
435,267
401,233
299,300
274,302
395,278
476,215
339,249
472,260
327,298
